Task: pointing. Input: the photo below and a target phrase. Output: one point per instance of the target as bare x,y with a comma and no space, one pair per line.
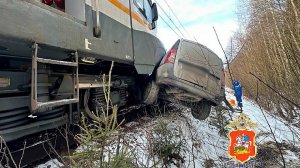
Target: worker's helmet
235,82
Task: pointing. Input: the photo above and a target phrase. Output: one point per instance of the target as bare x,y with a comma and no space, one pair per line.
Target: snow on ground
201,141
54,163
283,131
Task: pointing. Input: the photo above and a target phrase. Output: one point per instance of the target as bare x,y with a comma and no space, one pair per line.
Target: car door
197,64
191,64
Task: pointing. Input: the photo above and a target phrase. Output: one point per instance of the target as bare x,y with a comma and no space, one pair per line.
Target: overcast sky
199,17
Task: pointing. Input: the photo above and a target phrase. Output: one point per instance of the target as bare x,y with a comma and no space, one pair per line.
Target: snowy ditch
199,143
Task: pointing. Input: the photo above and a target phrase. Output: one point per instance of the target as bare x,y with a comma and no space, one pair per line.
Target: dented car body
192,73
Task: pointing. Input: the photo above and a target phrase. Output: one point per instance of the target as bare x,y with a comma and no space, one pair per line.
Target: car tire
150,93
201,110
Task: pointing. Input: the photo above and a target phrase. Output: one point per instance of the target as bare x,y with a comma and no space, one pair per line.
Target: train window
140,5
145,8
148,11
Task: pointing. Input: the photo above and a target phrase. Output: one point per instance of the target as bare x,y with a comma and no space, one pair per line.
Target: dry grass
270,37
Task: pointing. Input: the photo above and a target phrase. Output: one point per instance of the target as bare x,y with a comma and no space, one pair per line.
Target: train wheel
87,110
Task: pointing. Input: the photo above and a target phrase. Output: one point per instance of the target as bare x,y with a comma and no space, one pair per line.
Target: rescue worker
238,92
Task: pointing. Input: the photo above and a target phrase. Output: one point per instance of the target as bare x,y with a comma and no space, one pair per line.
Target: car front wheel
201,110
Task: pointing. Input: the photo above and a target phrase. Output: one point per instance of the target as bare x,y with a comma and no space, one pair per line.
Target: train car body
52,56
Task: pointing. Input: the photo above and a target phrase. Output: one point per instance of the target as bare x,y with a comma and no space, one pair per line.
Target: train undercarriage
40,93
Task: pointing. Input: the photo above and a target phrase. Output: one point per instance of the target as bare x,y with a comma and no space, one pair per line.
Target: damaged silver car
192,75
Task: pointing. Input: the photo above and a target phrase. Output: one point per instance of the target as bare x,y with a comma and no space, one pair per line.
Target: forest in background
268,46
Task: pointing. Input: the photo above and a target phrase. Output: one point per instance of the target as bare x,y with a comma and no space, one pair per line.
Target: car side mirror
154,12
